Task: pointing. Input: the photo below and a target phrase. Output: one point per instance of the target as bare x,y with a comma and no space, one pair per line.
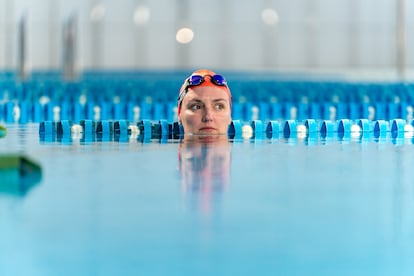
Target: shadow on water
18,175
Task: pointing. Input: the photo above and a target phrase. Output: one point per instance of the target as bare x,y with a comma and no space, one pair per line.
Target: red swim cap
207,82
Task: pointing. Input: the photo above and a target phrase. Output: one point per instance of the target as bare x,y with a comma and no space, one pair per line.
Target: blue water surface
248,207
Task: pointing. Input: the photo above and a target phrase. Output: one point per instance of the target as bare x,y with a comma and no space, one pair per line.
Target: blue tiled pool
285,206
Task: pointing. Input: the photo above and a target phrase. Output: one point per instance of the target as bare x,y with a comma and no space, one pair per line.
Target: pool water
247,207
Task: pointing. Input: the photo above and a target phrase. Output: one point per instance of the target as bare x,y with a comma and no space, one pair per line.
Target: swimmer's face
205,110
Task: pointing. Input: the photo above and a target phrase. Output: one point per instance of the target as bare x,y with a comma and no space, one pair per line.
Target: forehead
206,93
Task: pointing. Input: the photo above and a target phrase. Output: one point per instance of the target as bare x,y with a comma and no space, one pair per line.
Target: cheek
226,117
188,121
192,119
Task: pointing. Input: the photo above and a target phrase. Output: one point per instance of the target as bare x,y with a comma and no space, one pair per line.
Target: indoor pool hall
136,139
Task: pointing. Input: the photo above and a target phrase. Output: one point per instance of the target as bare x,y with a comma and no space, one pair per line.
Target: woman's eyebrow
201,101
195,101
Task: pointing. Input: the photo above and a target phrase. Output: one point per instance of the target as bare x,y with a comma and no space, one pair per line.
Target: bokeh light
270,17
97,13
142,15
184,35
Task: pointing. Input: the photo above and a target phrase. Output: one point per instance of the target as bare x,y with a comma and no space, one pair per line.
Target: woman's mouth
207,129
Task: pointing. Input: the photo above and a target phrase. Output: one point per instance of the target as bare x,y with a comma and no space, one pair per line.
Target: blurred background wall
281,35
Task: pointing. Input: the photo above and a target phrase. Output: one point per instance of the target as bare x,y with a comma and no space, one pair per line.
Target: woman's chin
206,137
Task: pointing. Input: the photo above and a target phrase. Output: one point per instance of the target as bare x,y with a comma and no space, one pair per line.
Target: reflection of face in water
205,166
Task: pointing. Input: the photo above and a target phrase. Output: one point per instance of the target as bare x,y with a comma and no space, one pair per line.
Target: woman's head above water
204,104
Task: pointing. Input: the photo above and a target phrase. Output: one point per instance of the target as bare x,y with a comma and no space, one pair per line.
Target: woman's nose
207,114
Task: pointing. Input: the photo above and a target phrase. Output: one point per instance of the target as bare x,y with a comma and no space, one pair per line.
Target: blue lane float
37,113
235,130
158,110
121,127
47,128
272,129
380,110
141,95
64,127
237,110
397,128
105,111
354,110
119,111
146,110
327,128
177,130
102,109
344,128
146,130
78,112
393,111
380,129
154,130
275,110
9,112
105,127
365,125
162,129
311,126
88,127
24,113
130,112
289,128
145,126
65,111
49,111
258,129
90,110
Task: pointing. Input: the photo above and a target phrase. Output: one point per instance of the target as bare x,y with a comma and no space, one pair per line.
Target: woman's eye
195,107
219,106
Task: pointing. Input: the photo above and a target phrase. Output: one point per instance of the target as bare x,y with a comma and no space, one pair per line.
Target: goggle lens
195,80
219,80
